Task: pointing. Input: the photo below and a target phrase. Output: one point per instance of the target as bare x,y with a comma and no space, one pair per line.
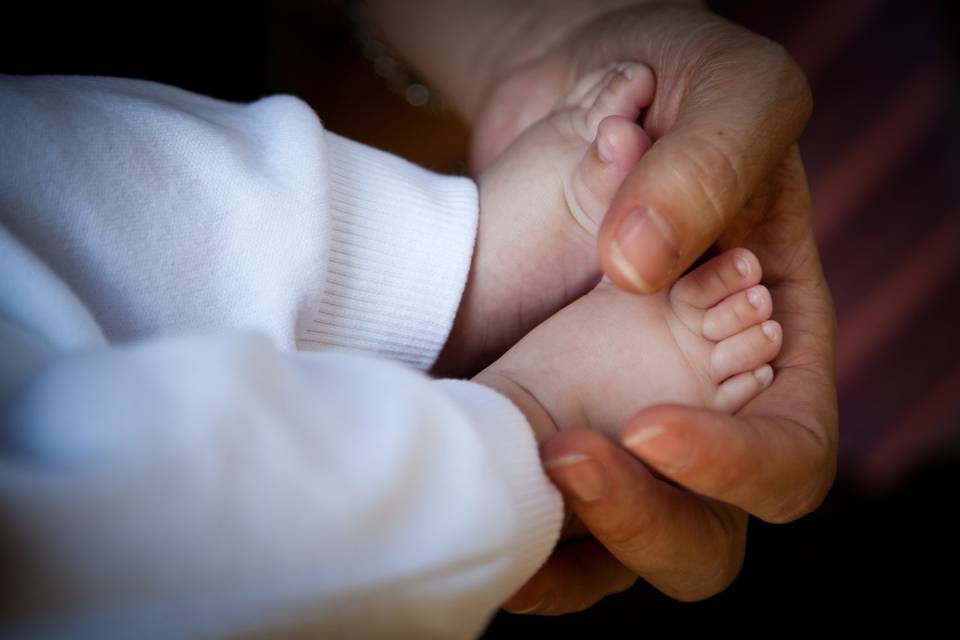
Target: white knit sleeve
168,211
401,242
170,464
208,487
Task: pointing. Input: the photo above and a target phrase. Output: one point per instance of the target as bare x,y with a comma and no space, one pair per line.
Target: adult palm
682,526
724,168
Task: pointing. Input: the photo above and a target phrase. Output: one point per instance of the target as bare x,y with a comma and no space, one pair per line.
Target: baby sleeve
214,486
171,465
168,211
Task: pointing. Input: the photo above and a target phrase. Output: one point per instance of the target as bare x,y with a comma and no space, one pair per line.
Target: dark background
883,545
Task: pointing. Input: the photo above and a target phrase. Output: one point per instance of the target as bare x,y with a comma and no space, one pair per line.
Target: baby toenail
771,330
753,297
627,70
604,150
764,375
743,267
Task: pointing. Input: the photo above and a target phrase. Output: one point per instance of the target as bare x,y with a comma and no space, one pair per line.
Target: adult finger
729,104
687,547
579,574
773,467
777,458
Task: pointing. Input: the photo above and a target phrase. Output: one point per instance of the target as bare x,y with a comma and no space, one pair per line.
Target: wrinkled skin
724,169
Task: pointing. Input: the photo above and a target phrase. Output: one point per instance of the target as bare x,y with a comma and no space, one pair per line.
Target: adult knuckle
728,562
791,510
631,537
729,473
710,581
624,582
730,549
716,560
717,580
687,593
725,571
802,503
791,80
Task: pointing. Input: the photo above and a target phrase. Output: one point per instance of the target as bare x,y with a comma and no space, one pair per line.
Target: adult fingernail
669,450
580,474
530,609
645,249
542,606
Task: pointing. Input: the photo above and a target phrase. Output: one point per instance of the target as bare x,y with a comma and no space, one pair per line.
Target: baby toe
589,86
736,313
626,92
588,98
737,391
746,350
718,278
619,145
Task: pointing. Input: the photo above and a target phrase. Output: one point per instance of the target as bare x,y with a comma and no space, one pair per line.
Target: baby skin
707,341
541,203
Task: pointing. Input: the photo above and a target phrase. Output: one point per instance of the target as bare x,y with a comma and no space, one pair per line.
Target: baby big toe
737,391
619,145
736,313
746,350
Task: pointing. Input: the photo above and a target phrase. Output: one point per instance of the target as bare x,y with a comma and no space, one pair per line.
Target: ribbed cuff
515,456
401,243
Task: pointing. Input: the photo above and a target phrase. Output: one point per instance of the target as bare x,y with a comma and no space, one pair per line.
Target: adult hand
727,111
684,530
728,106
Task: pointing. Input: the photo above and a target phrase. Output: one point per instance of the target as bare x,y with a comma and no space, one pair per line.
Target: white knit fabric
171,465
397,257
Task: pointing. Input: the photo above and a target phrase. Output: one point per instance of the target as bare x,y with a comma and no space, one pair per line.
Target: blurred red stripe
870,158
879,315
835,24
932,419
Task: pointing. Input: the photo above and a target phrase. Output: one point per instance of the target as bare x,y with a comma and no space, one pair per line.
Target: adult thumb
730,133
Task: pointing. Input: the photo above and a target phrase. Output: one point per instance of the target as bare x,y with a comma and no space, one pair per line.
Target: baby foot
603,108
541,203
724,330
706,342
